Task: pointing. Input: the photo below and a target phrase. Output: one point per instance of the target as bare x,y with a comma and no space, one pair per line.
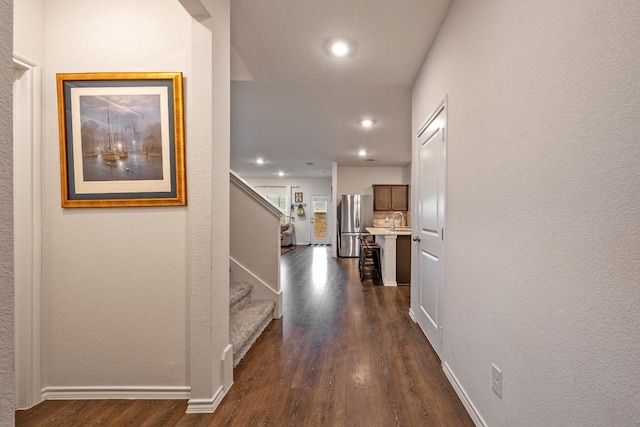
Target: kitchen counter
387,240
385,231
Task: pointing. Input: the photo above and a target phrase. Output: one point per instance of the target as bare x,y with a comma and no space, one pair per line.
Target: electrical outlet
387,218
496,380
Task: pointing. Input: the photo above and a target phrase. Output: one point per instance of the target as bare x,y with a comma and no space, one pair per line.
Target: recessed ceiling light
362,153
280,173
340,48
366,123
260,161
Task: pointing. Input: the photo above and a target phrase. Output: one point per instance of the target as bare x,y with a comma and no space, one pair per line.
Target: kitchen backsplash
383,219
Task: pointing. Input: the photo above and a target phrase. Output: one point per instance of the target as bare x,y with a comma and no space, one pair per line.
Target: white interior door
320,220
432,175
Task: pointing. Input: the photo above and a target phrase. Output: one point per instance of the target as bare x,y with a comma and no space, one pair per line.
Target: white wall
543,244
7,384
29,30
307,186
256,239
359,179
406,174
208,122
406,178
117,283
334,208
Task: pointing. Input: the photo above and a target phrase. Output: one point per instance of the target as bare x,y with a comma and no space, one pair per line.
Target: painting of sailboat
121,137
109,154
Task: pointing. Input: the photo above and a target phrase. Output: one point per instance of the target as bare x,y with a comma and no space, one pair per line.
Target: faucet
393,221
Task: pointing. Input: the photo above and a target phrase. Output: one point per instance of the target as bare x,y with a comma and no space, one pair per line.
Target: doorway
320,219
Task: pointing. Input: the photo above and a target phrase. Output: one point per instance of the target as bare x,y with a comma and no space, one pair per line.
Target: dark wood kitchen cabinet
391,197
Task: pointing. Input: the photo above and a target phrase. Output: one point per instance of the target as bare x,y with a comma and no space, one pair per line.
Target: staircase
255,296
247,318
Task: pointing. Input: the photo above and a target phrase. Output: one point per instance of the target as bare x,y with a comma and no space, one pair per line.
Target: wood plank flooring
345,353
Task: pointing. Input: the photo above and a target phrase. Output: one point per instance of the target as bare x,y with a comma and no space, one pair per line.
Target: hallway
343,354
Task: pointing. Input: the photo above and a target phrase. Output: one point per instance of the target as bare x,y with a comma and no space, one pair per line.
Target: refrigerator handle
357,212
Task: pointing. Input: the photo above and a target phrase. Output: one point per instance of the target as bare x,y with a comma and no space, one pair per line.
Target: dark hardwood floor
345,353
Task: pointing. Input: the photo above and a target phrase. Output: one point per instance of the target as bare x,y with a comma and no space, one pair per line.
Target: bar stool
369,261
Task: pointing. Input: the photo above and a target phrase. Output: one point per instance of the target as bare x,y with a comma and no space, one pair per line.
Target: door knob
416,239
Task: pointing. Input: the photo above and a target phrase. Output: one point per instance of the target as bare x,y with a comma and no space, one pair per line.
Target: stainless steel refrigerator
355,212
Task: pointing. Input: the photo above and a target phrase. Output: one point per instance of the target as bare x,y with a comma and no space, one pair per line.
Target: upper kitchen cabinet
391,197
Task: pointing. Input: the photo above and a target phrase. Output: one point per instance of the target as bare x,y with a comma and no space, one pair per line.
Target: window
278,195
281,202
320,219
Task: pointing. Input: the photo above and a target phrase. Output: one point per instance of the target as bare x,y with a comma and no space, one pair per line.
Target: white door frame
441,110
327,240
27,160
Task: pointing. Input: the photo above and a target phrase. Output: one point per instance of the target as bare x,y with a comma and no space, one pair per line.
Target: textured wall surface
208,222
220,138
114,280
7,385
29,29
121,285
543,193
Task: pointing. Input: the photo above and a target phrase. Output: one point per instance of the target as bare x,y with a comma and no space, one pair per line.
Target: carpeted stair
247,319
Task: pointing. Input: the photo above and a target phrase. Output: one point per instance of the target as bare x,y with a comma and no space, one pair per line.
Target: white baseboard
464,397
206,406
412,315
115,392
226,365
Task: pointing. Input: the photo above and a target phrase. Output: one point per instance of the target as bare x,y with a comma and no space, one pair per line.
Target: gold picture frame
121,139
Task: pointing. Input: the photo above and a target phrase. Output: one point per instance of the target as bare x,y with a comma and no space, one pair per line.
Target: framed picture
121,139
298,197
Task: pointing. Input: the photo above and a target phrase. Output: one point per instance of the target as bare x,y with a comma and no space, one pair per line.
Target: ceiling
298,107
